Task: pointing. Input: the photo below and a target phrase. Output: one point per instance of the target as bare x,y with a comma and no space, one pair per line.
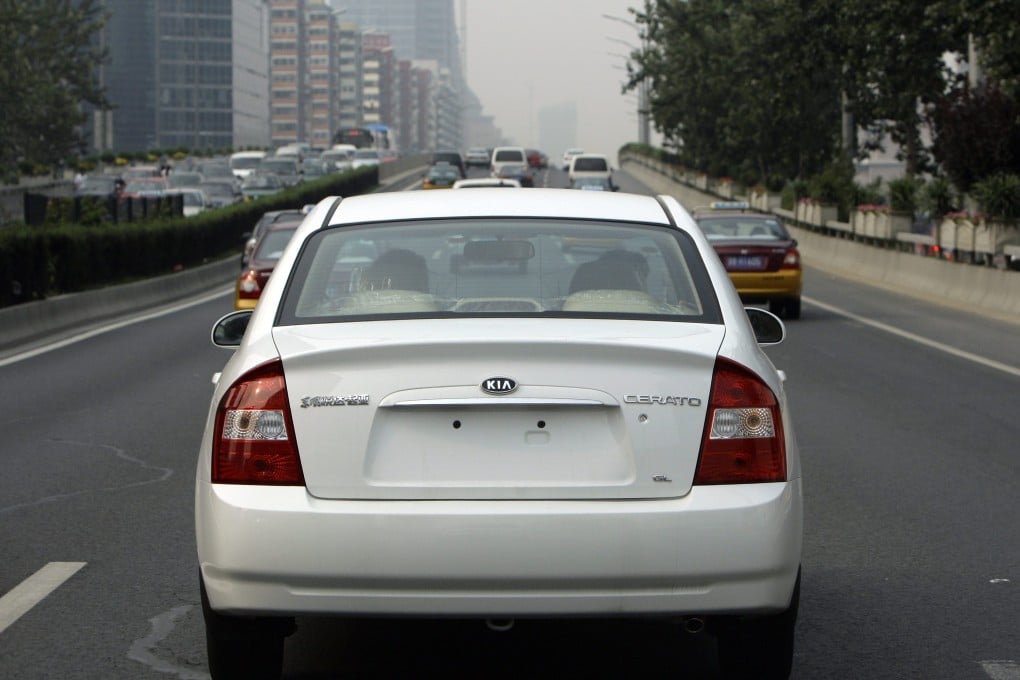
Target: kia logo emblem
498,385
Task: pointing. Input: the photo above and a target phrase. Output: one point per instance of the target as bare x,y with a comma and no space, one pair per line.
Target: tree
51,61
747,88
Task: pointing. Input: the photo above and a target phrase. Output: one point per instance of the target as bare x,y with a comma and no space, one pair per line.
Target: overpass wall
976,287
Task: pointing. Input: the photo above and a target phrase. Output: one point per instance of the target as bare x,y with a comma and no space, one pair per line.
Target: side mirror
228,331
768,329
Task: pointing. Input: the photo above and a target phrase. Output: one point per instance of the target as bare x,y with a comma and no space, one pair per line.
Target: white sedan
553,431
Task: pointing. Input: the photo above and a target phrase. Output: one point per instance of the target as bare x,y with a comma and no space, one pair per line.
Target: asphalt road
906,415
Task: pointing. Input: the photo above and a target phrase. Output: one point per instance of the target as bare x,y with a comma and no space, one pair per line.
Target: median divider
29,322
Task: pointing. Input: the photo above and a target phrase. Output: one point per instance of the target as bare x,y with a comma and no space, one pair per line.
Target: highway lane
911,539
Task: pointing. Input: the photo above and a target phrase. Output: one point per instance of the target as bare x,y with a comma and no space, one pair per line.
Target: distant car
594,184
365,158
257,185
181,179
440,176
759,254
268,218
218,172
264,257
314,169
221,192
589,165
567,155
453,158
100,186
337,160
537,159
476,156
599,436
243,163
502,155
194,199
287,168
486,183
144,187
520,172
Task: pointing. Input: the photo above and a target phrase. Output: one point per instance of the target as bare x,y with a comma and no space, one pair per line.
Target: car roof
495,202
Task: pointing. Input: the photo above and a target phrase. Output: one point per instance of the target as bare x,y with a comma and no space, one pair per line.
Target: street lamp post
644,121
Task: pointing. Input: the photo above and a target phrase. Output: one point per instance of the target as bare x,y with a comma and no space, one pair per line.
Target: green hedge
41,262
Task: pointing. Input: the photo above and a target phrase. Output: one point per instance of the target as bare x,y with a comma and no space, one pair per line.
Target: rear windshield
498,267
510,155
743,227
582,164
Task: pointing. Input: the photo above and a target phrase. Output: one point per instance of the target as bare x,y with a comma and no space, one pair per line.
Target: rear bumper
763,285
721,549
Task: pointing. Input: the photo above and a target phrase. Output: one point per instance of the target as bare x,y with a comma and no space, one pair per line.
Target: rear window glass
498,267
510,155
582,164
740,227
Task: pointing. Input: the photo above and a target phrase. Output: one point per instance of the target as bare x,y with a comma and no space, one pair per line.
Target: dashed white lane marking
32,590
1002,670
920,339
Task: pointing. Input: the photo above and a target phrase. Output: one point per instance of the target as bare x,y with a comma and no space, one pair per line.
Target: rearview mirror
228,331
768,329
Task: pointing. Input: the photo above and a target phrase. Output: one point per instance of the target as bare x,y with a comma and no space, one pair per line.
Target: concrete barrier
975,287
22,324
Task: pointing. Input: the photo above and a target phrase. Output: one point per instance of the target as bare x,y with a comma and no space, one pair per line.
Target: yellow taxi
759,254
440,176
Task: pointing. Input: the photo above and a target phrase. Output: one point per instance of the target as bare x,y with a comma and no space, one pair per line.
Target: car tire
241,647
759,648
792,308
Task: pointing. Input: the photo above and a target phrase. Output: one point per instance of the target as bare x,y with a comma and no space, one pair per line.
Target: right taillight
743,438
254,436
791,260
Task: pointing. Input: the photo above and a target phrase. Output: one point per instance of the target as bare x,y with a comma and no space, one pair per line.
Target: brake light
248,287
743,439
791,260
254,441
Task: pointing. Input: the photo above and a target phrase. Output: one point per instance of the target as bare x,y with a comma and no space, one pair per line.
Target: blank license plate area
500,447
745,262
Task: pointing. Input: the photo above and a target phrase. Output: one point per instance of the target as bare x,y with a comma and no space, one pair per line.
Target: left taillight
743,439
254,436
248,287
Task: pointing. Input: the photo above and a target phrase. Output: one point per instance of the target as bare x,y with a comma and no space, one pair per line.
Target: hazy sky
524,55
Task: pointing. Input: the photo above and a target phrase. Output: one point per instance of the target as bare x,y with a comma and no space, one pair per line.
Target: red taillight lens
791,260
743,439
254,442
248,287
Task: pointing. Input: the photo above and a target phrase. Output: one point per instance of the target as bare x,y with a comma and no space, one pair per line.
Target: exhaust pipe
694,625
499,625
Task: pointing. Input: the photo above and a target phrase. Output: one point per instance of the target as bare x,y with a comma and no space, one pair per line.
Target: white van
506,155
589,165
243,163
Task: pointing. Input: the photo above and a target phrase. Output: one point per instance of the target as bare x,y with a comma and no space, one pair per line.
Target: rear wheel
759,648
242,647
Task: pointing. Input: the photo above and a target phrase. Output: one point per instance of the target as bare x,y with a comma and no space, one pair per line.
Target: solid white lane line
1002,670
114,325
921,340
32,590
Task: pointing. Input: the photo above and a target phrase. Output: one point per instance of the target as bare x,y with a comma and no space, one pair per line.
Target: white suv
507,155
589,165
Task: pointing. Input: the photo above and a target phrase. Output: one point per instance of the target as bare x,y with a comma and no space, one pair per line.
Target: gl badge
498,385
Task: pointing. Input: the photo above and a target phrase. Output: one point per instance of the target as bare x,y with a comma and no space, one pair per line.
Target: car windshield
446,173
367,153
260,182
743,227
508,267
245,162
281,166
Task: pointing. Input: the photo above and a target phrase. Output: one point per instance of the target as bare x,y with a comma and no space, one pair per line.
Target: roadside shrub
999,197
903,194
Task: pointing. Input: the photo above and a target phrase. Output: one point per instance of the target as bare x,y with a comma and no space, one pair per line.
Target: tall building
184,74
